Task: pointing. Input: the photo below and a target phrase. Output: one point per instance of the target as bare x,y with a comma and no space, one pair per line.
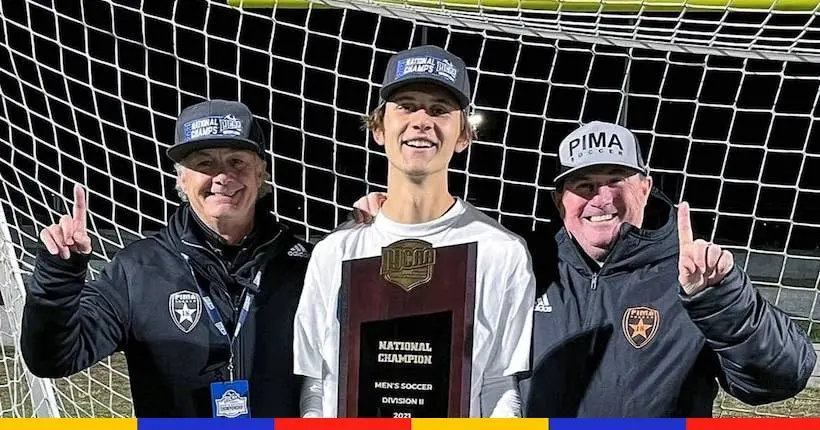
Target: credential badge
408,263
231,405
640,325
185,308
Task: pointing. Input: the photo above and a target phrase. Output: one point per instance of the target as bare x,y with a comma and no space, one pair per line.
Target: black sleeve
544,253
68,324
764,356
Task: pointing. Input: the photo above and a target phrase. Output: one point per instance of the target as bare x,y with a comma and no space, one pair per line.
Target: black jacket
626,341
138,305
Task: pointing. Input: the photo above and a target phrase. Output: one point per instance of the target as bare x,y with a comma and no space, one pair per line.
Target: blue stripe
617,424
204,424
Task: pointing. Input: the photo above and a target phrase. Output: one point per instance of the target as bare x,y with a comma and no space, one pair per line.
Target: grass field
87,394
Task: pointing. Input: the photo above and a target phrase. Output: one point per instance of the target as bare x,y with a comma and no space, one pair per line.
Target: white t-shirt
505,290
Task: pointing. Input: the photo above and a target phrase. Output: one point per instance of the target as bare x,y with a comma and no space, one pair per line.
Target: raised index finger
79,206
685,236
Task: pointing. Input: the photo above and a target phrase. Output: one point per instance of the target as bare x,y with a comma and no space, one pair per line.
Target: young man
421,124
638,319
201,309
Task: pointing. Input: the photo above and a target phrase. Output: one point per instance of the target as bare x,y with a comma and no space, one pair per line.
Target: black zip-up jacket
142,304
626,341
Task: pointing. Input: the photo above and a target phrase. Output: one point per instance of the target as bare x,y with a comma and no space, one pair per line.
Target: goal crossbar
702,27
571,5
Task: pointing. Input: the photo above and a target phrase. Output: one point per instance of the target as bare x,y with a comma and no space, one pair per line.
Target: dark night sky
760,174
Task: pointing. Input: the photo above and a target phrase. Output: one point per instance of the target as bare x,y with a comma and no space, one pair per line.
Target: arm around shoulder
764,356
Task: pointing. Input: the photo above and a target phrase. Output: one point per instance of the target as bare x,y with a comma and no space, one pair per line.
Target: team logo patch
640,325
226,125
185,308
408,263
427,65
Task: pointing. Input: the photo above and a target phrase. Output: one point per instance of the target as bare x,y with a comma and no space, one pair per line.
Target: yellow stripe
569,5
479,424
281,4
68,424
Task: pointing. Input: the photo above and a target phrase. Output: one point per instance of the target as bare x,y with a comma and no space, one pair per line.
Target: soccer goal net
722,95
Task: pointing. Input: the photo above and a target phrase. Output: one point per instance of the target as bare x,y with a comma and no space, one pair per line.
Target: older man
639,319
202,309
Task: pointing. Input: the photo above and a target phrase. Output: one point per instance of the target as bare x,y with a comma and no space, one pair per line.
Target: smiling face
222,184
422,128
594,202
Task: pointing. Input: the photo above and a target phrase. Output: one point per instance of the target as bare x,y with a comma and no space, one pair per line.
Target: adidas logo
542,304
298,250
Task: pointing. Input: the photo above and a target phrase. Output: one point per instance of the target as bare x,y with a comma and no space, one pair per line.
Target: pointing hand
69,234
700,263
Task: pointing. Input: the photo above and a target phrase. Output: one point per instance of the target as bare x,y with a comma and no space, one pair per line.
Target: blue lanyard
216,318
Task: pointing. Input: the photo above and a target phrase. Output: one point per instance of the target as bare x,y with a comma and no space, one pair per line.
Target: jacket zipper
237,343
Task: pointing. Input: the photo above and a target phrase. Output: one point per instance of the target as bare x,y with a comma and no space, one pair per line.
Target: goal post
21,393
722,95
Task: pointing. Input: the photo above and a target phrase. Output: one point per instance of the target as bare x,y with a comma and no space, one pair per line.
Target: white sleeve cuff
310,398
500,398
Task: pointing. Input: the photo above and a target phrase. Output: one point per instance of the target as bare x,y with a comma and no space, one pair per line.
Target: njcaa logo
185,308
231,405
230,125
408,263
640,325
595,143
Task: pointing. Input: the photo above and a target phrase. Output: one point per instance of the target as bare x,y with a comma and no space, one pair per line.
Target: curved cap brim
177,153
387,90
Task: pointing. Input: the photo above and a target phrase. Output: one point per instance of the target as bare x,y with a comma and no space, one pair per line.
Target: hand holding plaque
406,332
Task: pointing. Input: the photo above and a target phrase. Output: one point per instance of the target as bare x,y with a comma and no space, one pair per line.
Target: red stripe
753,423
342,424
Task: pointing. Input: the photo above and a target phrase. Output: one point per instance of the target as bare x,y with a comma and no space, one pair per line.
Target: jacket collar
188,235
635,247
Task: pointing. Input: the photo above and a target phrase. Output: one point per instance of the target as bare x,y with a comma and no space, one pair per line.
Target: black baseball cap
427,63
216,124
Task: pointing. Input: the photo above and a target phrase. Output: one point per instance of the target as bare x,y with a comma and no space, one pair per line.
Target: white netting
89,91
773,30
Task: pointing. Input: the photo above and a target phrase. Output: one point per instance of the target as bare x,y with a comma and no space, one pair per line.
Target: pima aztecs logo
640,324
185,308
595,143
